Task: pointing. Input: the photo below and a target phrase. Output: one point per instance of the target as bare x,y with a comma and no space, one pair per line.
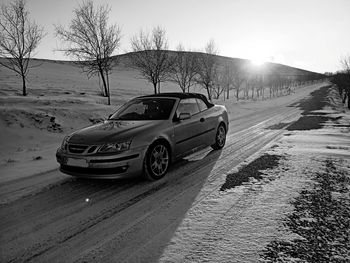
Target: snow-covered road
54,218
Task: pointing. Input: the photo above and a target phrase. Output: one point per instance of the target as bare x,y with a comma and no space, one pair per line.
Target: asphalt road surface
55,218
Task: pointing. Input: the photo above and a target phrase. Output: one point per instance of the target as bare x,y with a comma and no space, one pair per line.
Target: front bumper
111,166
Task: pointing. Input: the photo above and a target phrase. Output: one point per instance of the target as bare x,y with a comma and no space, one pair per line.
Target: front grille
77,148
82,149
92,149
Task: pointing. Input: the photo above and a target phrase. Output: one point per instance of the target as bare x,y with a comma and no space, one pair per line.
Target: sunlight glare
257,61
261,51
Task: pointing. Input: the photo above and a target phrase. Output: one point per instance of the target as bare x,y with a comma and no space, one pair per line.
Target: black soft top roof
181,95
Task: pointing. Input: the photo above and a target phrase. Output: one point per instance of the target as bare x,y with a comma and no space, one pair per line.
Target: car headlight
64,144
115,147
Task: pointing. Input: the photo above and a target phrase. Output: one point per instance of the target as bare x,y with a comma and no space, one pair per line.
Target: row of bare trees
218,76
248,85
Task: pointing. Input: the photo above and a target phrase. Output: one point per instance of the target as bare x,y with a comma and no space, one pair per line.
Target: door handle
202,120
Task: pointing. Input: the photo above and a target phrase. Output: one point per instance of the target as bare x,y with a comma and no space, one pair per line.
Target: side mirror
184,116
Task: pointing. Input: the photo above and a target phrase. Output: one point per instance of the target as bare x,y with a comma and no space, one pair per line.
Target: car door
208,121
187,132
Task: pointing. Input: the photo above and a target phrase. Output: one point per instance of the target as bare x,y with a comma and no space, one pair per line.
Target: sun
259,52
259,58
257,61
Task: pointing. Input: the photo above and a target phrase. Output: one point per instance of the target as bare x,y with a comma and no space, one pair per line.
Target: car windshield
145,109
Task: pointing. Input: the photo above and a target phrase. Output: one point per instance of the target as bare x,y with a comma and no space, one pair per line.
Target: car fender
167,135
224,118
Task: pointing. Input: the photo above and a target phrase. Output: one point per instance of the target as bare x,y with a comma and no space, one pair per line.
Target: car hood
111,131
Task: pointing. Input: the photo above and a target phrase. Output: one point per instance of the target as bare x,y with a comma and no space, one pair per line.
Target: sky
308,34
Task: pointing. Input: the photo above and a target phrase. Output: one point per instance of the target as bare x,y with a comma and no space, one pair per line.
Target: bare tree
91,41
345,62
184,69
239,77
259,86
271,84
208,66
227,77
19,36
342,79
219,84
151,57
251,84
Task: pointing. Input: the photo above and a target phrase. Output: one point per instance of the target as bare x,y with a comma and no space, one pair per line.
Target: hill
267,67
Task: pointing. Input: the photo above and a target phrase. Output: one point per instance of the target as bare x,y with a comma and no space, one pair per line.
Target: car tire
220,137
157,161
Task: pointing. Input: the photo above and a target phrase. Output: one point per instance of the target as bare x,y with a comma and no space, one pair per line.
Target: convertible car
144,136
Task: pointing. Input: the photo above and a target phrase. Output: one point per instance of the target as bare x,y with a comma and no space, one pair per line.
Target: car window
201,104
187,106
145,109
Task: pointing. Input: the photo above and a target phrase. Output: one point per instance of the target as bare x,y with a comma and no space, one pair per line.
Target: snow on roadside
237,224
319,220
234,225
33,128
